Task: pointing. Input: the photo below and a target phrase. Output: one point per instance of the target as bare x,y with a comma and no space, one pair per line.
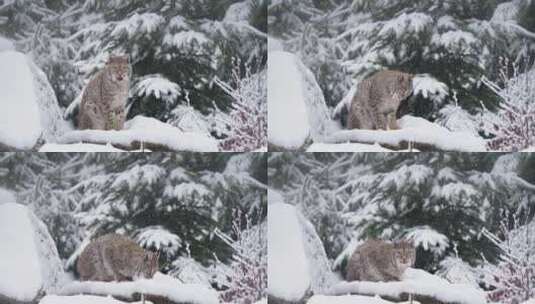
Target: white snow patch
319,299
238,12
20,277
288,274
413,129
288,124
428,86
79,300
78,148
20,125
6,196
274,45
428,238
149,130
346,147
274,196
419,282
160,284
507,11
6,44
158,86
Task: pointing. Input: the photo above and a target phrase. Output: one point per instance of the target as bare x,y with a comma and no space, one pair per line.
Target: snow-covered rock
29,261
418,283
417,131
144,132
29,107
160,286
289,279
6,196
6,44
298,264
297,111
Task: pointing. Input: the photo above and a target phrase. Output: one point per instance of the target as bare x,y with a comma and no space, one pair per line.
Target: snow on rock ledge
143,132
422,134
417,282
161,288
29,261
30,111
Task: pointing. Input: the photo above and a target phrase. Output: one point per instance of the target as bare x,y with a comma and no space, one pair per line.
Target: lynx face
118,68
149,266
403,255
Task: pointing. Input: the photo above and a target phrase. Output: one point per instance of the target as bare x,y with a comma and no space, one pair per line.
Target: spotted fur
113,257
103,105
377,100
380,261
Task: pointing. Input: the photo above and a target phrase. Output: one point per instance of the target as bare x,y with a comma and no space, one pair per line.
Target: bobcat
377,100
113,257
104,99
377,260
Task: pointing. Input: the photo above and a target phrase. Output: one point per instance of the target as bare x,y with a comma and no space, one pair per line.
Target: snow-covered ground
78,148
140,129
288,273
160,285
348,299
415,130
79,300
417,282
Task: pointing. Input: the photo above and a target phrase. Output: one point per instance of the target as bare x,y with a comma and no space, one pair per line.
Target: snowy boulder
298,264
6,44
145,133
414,132
297,112
6,196
425,288
29,262
30,112
160,289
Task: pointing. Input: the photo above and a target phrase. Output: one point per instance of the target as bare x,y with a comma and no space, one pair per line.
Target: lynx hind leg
392,121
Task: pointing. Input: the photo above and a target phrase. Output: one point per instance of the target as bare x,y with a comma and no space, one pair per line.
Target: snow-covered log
160,289
416,132
424,287
29,262
81,299
145,133
29,111
347,299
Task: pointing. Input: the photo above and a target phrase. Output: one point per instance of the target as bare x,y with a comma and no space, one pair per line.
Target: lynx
377,261
104,99
113,257
377,100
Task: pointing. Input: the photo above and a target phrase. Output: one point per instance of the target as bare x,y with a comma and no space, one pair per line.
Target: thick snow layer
160,285
146,130
288,124
274,196
416,282
274,44
29,263
78,148
288,273
19,263
346,147
6,44
79,300
20,125
321,276
346,300
413,129
6,196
